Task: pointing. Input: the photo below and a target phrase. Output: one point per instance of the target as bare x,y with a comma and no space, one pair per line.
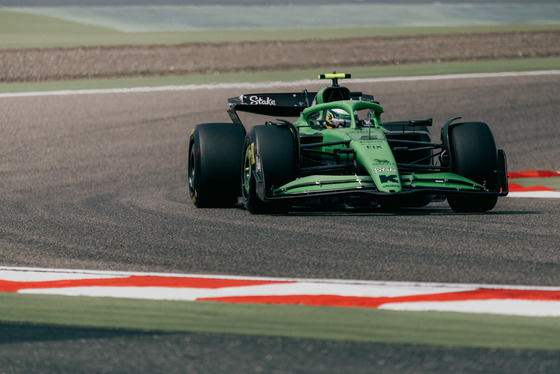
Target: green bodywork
367,146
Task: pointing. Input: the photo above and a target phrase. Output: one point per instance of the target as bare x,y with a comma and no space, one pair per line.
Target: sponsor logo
388,178
257,100
381,162
383,170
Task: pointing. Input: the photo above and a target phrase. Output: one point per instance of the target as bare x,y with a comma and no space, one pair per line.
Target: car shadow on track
442,210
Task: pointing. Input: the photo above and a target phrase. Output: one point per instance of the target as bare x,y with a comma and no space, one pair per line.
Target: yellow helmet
337,118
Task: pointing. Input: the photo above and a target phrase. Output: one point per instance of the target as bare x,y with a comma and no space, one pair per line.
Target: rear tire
474,156
215,154
270,152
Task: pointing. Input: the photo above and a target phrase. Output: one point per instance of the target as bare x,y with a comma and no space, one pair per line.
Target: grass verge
354,324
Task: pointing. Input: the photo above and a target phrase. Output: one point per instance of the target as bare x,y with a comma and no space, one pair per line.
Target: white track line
532,308
536,194
195,87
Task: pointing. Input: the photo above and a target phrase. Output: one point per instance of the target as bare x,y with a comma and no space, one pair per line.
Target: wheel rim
192,172
247,170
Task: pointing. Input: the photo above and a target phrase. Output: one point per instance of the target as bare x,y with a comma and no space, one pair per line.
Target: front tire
269,155
214,163
474,156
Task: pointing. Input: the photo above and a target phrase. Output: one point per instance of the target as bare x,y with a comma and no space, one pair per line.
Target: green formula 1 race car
340,152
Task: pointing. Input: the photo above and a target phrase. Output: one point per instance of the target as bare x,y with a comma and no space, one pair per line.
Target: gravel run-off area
35,65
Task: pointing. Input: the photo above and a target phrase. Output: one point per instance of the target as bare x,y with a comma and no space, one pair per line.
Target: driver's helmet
337,118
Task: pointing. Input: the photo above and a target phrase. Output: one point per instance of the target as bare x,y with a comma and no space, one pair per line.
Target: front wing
439,183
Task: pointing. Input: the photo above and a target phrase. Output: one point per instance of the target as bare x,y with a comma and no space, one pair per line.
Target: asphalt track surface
99,182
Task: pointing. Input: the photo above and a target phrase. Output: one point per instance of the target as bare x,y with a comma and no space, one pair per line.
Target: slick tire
473,155
214,164
271,149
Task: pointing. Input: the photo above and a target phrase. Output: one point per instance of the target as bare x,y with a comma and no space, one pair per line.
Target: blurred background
184,42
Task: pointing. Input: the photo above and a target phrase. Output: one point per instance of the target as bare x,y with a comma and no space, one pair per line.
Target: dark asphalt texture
99,182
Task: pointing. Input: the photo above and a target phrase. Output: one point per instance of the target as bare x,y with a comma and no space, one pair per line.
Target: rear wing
277,104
